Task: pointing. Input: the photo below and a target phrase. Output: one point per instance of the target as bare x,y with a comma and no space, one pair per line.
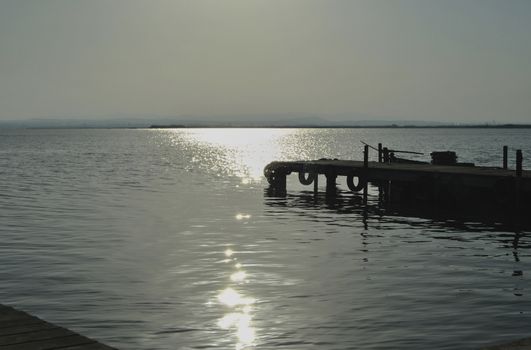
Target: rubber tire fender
306,180
361,182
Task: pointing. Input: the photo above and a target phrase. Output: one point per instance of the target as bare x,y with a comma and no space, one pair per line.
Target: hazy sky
447,60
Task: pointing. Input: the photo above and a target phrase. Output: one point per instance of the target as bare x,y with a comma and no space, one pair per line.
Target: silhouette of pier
22,331
451,184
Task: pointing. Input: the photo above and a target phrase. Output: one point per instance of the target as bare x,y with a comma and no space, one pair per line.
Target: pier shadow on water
377,205
377,211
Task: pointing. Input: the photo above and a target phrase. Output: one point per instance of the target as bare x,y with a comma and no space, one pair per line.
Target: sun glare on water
247,151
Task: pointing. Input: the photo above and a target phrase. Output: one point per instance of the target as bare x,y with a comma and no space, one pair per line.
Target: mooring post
379,152
519,163
505,149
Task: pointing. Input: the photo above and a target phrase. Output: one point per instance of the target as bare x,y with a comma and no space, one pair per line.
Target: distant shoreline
273,126
392,126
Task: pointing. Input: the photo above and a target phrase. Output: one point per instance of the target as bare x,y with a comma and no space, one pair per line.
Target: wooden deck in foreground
22,331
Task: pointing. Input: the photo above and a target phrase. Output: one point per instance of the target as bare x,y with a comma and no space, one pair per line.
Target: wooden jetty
22,331
485,177
452,185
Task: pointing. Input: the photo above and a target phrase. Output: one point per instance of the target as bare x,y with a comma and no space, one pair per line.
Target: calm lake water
165,239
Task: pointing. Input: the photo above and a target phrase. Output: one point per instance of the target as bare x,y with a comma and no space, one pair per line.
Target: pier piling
380,155
505,151
519,160
331,182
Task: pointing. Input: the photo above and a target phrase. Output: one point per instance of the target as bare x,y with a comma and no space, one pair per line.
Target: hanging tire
306,180
361,183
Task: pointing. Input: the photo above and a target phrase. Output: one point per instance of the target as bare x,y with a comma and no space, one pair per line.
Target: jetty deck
377,171
464,187
22,331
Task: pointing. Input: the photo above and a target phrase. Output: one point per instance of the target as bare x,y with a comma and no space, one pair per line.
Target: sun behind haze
452,61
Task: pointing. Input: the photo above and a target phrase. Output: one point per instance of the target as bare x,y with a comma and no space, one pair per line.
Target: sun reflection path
239,318
247,151
238,276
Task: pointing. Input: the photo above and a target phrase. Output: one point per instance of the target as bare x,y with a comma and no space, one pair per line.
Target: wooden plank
51,344
26,328
13,315
40,334
485,171
379,170
19,322
93,346
21,331
10,317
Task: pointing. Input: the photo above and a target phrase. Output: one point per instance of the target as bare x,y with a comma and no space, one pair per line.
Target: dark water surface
165,239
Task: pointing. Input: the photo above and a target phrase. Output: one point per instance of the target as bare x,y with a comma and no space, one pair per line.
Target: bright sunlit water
166,239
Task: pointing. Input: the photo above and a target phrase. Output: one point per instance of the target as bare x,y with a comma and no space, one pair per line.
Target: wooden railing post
366,156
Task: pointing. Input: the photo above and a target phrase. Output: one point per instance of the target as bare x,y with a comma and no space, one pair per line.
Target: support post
316,184
519,161
331,183
366,156
365,165
277,184
380,155
280,182
386,155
